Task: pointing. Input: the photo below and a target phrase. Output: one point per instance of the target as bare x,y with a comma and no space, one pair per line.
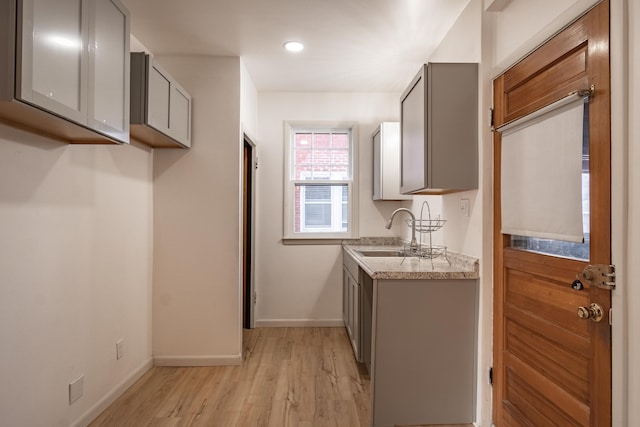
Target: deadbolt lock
600,275
593,312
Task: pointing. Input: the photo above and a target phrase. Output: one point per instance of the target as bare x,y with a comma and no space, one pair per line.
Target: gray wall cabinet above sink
386,162
65,68
439,130
160,107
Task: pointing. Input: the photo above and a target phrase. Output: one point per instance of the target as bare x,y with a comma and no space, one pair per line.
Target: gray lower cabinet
160,107
418,340
351,303
423,352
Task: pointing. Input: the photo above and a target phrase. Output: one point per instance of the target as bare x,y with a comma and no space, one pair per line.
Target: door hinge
600,275
255,297
611,317
491,376
491,118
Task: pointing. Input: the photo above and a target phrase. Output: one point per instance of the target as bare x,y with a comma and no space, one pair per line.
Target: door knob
593,312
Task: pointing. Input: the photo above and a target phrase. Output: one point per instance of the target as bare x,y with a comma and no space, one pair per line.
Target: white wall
463,44
522,25
196,287
248,103
75,275
301,284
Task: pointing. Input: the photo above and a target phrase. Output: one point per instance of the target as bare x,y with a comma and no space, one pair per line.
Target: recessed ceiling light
293,46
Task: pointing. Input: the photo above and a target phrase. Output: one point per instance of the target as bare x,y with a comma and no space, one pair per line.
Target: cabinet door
180,115
108,95
413,128
355,318
377,165
345,296
51,68
386,163
159,94
366,312
452,160
350,306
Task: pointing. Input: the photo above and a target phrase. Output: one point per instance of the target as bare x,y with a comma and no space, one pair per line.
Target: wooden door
552,368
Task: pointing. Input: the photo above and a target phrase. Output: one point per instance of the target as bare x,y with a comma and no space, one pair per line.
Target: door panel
550,366
51,66
159,98
109,69
547,346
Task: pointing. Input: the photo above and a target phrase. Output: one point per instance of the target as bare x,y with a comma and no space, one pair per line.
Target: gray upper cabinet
386,162
67,68
439,130
160,107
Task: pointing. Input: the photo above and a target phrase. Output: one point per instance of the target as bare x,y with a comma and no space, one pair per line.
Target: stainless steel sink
381,253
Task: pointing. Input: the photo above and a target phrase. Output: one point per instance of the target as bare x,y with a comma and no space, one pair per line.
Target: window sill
315,240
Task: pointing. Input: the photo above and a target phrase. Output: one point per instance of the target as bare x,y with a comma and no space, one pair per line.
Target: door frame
248,231
622,356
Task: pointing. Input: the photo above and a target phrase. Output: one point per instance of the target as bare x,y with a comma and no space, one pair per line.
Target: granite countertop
460,266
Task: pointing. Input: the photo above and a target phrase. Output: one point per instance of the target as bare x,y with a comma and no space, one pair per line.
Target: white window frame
290,183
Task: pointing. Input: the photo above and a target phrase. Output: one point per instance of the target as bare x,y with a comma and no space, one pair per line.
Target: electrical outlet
76,389
464,207
119,349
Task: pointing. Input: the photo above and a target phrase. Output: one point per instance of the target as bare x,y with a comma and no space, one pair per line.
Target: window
319,188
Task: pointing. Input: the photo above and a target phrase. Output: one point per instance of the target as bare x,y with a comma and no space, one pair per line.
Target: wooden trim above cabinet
152,137
32,119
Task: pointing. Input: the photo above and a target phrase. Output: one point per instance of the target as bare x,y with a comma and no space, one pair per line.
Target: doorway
248,228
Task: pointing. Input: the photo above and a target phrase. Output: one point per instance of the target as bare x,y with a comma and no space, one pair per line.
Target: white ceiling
351,45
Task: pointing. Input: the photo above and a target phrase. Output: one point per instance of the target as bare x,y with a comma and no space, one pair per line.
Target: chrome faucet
414,244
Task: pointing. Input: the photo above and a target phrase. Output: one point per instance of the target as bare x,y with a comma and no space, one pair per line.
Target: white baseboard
197,360
299,323
110,397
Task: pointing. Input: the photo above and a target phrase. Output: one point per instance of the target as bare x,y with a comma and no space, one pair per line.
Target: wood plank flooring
289,377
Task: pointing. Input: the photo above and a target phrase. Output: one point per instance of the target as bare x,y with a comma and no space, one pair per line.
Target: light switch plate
119,349
464,207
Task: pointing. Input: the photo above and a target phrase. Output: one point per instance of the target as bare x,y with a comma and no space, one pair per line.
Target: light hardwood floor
296,377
